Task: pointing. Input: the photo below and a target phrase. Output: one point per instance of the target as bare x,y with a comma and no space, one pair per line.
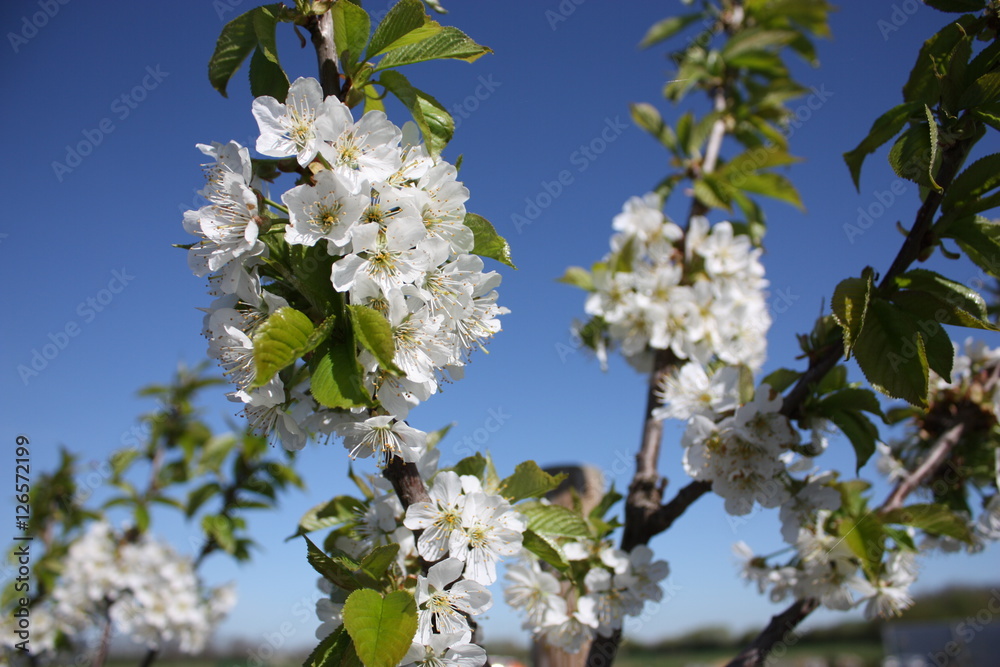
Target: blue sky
88,263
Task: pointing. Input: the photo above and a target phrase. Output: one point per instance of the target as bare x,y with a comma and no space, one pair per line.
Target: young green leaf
435,123
471,465
965,195
449,42
406,23
237,40
545,548
374,333
529,481
379,560
892,353
667,28
979,238
579,277
933,518
335,650
381,627
883,129
351,28
487,242
850,303
554,520
337,377
278,342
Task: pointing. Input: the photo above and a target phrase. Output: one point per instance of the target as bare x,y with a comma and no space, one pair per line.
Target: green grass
870,654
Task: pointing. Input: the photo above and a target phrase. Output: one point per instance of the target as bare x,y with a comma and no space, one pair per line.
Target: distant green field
870,655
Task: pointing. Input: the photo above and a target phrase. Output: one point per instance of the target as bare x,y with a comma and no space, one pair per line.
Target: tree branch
777,631
321,31
937,457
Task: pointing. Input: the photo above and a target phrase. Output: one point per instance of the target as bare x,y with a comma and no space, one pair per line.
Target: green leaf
865,538
237,40
382,627
758,38
435,123
335,650
781,379
773,185
852,502
712,193
351,28
199,496
648,118
529,481
487,242
266,75
883,129
471,465
859,430
933,297
851,398
338,570
578,276
374,332
965,194
924,84
336,376
979,238
449,42
140,515
278,342
554,520
892,354
607,501
406,23
267,78
545,548
933,518
983,91
849,304
220,529
912,156
667,28
339,510
380,560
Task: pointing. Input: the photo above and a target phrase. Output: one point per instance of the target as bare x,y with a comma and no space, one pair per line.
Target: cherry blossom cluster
698,293
748,452
827,569
390,217
465,530
617,584
145,589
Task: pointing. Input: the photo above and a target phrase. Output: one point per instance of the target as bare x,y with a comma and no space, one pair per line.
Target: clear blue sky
549,89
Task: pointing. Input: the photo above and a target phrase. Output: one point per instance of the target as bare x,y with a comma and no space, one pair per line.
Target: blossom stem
272,204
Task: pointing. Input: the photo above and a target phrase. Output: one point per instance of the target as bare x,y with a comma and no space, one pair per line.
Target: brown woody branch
321,32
